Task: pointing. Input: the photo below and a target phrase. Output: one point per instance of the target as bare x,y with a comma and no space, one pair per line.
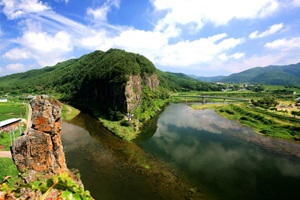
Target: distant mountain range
270,75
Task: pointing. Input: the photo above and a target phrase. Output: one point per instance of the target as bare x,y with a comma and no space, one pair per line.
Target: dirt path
5,154
29,123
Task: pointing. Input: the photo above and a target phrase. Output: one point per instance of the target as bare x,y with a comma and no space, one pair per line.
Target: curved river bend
222,158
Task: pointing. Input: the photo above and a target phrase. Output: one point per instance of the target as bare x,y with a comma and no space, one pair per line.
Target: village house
10,124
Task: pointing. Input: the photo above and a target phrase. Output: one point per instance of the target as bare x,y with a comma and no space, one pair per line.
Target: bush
125,123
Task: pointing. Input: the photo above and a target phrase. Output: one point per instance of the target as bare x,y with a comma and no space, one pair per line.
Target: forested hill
101,78
272,75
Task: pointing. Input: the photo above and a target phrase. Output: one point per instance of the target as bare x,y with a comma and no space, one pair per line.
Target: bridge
204,97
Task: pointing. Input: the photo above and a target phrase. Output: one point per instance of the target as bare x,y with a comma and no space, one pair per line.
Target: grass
5,140
12,110
264,123
208,106
125,133
69,112
8,168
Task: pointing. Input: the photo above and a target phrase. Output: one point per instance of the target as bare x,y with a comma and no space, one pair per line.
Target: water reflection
116,169
225,157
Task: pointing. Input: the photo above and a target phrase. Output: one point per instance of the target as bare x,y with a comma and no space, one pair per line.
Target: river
181,149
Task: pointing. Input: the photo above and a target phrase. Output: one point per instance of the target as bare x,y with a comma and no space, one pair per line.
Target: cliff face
134,87
39,150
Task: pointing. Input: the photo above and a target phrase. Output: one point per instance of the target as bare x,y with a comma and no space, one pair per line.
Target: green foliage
70,189
295,113
5,140
267,123
182,82
8,168
265,102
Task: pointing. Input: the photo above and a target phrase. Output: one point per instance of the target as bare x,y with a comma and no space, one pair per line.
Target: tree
295,113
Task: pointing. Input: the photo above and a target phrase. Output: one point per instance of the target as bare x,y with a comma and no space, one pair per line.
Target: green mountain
109,83
271,75
208,79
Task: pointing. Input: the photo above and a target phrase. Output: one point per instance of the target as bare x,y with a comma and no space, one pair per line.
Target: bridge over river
205,97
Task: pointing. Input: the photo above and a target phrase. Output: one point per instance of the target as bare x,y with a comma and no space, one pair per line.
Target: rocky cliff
134,87
39,150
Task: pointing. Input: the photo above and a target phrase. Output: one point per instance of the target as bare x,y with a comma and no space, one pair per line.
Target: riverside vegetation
271,115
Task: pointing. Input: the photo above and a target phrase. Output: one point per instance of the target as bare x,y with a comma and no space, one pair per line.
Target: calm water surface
218,155
225,158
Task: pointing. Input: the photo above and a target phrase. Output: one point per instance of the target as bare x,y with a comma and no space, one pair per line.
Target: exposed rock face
40,149
152,81
133,89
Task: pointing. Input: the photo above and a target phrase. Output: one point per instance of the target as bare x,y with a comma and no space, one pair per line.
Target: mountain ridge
269,75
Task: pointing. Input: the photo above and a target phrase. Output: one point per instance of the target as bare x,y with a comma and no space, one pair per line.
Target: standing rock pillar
40,150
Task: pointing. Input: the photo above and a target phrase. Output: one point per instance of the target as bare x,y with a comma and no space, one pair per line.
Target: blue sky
201,37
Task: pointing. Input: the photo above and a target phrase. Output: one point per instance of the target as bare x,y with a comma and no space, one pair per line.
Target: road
5,154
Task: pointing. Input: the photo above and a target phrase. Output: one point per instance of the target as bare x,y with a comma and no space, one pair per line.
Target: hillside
108,83
271,75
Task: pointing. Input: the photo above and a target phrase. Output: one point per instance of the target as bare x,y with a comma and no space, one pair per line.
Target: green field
12,110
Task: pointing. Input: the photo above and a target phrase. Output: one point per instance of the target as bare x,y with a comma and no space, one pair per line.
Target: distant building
3,100
10,124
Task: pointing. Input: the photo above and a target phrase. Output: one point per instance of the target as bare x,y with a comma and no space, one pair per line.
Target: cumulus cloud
17,67
182,12
16,8
284,44
203,50
100,13
272,29
17,54
45,48
96,40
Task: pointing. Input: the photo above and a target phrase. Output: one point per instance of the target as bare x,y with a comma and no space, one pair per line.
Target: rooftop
9,121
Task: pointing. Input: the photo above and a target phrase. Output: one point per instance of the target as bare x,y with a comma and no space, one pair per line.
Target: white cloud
66,1
272,29
100,14
203,50
96,40
296,2
185,12
17,67
17,54
16,8
284,44
139,39
46,49
235,56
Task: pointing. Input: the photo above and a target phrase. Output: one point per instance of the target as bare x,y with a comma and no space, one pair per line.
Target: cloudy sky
201,37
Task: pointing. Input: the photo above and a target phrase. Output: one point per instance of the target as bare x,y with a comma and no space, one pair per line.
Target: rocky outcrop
134,86
39,150
152,81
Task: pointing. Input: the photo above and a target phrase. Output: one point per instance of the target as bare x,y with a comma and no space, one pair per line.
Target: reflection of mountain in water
116,169
227,158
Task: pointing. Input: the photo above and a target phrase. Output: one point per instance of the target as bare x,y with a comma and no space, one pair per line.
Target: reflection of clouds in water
288,169
179,136
184,116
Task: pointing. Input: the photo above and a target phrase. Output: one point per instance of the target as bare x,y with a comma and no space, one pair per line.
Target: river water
191,148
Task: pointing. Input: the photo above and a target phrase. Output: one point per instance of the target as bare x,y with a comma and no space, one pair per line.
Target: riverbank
264,122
